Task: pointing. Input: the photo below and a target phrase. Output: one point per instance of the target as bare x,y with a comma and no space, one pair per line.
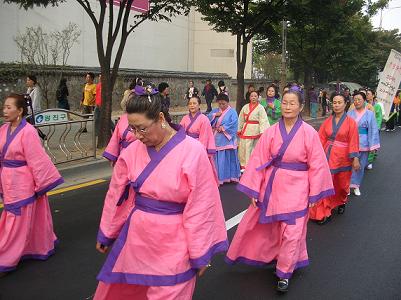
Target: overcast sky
391,16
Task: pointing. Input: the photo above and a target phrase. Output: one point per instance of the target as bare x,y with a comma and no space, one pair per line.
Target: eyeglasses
143,130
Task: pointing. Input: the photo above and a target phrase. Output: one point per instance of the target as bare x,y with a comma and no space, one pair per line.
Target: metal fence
68,136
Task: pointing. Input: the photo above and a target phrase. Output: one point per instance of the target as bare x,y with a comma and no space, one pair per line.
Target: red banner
142,6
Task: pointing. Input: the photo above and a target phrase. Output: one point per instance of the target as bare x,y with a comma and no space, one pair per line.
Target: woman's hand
355,164
218,114
253,202
312,204
101,248
271,105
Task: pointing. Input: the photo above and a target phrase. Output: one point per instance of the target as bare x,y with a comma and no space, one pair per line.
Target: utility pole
283,80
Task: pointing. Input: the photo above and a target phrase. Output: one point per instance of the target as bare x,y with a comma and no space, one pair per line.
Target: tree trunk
307,86
242,47
106,109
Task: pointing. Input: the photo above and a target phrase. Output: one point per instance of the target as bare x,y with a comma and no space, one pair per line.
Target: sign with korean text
51,117
389,82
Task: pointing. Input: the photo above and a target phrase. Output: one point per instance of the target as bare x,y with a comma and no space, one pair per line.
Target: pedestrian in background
325,103
209,92
395,116
222,88
89,94
191,91
62,95
251,88
314,102
98,107
27,174
164,90
287,172
128,91
165,232
273,105
224,121
35,92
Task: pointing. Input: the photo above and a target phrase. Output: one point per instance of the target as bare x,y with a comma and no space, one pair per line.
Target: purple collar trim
158,207
336,128
193,119
11,136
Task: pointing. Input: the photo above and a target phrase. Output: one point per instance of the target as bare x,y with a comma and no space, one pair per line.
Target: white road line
234,220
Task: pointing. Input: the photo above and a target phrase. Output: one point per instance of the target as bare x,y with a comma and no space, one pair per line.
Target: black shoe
324,221
341,209
282,285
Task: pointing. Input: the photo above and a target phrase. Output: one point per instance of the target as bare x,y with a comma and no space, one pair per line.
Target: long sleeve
241,119
206,137
277,108
373,134
36,96
251,181
230,125
322,132
353,139
112,150
320,181
263,120
203,218
45,174
116,211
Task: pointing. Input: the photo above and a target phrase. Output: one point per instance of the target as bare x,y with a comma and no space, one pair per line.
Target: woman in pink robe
198,126
287,172
162,216
27,174
120,140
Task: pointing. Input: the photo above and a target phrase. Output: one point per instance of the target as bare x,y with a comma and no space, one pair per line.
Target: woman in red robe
339,137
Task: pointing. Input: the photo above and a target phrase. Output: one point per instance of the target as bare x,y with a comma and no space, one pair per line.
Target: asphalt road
355,256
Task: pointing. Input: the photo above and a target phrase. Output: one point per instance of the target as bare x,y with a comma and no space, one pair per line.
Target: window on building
222,52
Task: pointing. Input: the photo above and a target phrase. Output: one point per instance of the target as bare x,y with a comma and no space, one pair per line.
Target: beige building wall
216,51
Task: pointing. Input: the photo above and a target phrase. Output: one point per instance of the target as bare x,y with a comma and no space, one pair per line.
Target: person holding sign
368,137
394,113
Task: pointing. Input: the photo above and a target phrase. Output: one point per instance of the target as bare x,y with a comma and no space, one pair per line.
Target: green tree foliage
113,25
243,19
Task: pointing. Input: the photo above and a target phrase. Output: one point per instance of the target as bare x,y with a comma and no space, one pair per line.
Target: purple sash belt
11,163
158,207
276,162
193,135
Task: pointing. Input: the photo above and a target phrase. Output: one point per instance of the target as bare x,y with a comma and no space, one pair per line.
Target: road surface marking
230,223
71,188
76,187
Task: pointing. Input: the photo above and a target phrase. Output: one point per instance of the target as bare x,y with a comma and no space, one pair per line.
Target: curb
85,166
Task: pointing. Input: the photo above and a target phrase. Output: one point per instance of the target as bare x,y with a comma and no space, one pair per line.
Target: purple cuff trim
102,239
353,154
247,191
324,194
248,261
341,169
288,218
148,280
202,261
211,151
300,264
15,208
31,256
50,186
109,156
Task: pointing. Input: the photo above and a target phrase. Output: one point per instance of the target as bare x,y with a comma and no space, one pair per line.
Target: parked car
344,84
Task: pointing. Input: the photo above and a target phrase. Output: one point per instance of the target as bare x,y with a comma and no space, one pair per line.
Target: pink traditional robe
120,139
164,218
286,172
27,174
199,128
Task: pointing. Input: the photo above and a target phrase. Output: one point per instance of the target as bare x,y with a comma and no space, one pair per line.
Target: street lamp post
283,55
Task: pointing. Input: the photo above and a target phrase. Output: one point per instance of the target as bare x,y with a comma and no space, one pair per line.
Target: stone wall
13,78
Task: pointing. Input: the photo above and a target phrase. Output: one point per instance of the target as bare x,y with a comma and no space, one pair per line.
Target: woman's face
253,97
223,104
359,101
271,92
146,130
369,96
10,110
29,82
338,104
193,105
290,106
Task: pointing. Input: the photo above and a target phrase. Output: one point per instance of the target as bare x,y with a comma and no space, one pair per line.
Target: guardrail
64,132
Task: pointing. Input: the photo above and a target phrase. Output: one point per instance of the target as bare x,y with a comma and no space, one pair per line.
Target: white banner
389,82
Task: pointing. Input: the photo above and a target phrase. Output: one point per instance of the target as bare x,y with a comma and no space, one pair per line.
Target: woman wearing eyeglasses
161,214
